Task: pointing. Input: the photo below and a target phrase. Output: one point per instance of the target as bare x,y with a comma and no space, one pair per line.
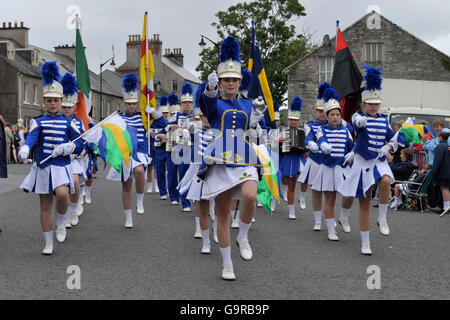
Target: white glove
384,150
259,104
63,149
149,110
313,146
326,148
258,109
361,122
213,80
186,134
349,157
24,152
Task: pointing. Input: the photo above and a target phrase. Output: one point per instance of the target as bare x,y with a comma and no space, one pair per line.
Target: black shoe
375,205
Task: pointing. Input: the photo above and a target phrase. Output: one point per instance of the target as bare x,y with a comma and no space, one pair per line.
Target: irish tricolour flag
116,142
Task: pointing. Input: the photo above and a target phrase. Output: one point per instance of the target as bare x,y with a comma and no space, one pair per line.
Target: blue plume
69,84
276,106
247,78
187,89
50,73
163,101
230,49
297,104
172,99
198,93
330,93
322,88
129,82
373,78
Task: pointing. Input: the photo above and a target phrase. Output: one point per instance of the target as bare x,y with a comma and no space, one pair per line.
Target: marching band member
52,134
312,172
133,118
292,162
369,163
335,141
160,148
274,142
152,182
231,170
78,164
184,125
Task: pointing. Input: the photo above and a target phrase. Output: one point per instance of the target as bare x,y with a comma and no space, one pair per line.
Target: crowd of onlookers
407,164
14,137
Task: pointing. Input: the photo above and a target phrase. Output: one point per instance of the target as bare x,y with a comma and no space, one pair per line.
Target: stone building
375,41
170,75
21,83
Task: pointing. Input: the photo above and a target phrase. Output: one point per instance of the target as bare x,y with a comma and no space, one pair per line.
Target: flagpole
148,91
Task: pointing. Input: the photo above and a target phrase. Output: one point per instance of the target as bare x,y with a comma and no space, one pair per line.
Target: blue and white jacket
135,120
372,137
339,139
311,129
46,132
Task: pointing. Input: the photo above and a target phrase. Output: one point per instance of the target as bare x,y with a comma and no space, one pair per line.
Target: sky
107,23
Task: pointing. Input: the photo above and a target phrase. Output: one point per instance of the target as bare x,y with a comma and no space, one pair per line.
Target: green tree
278,40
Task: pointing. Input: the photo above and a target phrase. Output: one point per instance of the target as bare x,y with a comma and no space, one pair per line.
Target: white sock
205,237
284,188
140,199
87,190
302,195
197,223
318,216
382,211
128,214
237,214
365,237
274,203
291,208
446,204
60,219
48,237
344,214
330,225
226,255
73,206
243,230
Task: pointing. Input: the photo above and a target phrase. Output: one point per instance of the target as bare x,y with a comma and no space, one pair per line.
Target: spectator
403,169
21,132
3,161
430,145
9,142
398,125
15,132
399,187
441,168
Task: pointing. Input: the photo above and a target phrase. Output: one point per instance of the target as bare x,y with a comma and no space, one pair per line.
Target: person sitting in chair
399,187
403,169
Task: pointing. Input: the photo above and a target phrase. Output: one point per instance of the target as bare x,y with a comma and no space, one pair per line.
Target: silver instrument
295,140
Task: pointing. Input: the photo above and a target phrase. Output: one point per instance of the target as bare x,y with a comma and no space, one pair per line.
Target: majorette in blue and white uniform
373,133
230,158
51,134
183,154
312,171
335,143
160,149
293,162
374,140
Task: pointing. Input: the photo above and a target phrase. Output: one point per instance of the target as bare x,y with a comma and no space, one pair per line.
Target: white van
417,114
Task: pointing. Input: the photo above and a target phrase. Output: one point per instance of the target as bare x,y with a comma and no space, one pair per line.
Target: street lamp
203,44
101,80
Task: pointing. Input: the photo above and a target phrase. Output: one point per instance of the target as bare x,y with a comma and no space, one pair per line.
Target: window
35,95
326,66
374,52
25,92
174,86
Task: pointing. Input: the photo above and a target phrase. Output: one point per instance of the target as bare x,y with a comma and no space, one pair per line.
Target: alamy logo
374,20
74,280
374,280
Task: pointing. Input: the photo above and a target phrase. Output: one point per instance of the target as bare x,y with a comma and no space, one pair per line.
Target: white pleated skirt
46,180
331,178
128,172
221,178
311,174
190,175
358,180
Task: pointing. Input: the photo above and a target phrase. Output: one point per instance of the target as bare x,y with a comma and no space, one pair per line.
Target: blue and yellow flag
260,85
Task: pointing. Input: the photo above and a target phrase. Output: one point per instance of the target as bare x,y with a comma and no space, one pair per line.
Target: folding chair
420,193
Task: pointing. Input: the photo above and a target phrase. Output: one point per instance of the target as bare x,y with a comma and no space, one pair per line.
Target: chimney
133,51
156,45
17,33
177,56
66,50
